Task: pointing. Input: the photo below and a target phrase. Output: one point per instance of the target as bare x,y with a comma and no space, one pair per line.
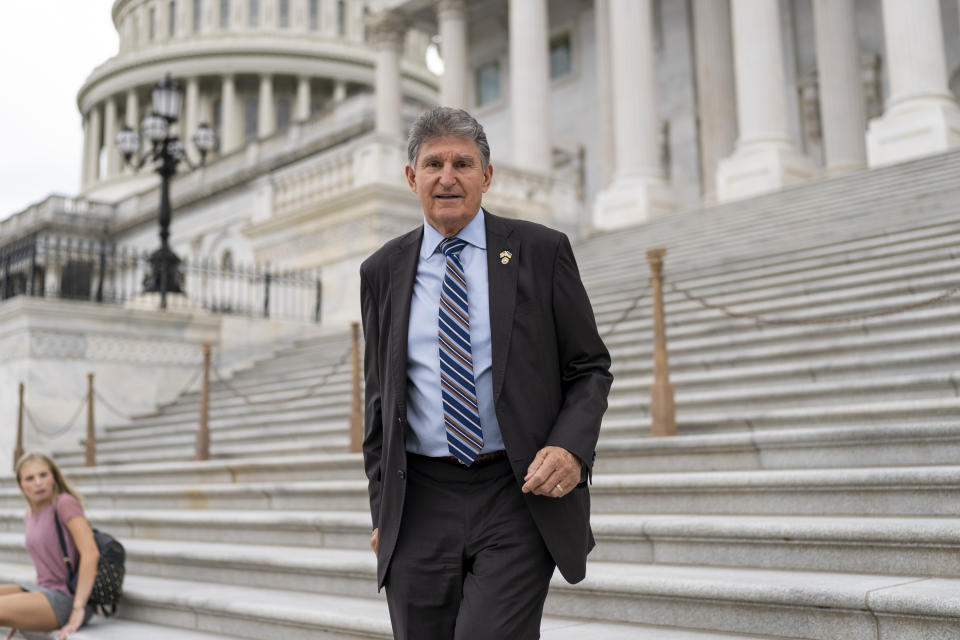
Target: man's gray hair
446,121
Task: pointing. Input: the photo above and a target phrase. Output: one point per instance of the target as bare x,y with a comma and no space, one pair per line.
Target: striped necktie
461,415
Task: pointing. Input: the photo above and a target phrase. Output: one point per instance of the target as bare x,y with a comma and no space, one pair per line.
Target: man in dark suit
485,384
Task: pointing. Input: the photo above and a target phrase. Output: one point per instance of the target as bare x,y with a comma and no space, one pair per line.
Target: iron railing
64,267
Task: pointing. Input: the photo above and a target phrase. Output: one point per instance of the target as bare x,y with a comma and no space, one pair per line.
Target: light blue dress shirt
427,434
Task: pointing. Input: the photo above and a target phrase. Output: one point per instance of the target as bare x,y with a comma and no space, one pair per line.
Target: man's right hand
374,540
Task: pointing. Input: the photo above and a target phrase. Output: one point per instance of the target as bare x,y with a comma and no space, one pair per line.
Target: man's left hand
554,472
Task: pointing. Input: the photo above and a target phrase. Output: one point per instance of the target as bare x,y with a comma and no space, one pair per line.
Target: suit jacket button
402,474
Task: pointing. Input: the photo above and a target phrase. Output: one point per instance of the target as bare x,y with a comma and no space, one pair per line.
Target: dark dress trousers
550,375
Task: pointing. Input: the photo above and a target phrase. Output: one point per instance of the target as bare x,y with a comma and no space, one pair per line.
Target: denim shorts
62,605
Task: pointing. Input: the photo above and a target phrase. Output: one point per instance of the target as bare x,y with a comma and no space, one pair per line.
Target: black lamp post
167,152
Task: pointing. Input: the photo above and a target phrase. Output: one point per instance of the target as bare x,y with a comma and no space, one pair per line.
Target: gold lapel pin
505,257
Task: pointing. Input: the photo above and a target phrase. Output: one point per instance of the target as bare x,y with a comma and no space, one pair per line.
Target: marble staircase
812,492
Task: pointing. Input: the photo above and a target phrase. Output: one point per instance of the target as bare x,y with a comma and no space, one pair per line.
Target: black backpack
108,584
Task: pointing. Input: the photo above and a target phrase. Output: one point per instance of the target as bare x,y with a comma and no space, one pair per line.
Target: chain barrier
112,409
58,432
809,321
278,403
623,316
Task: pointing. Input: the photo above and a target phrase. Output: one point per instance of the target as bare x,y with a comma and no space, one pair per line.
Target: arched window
226,260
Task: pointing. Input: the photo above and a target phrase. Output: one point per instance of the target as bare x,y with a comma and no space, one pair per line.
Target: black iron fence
53,266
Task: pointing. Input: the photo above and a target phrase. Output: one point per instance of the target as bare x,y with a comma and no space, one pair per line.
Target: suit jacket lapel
502,281
403,272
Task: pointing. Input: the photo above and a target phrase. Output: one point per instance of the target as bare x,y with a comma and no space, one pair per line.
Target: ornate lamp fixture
166,153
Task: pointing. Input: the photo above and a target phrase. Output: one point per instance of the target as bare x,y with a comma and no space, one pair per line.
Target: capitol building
794,334
601,114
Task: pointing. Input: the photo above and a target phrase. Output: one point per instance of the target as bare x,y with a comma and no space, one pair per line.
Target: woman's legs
26,611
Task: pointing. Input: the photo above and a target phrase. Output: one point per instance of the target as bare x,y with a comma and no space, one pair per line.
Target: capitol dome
249,69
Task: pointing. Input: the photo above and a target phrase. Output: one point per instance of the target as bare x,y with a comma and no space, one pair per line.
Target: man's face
449,181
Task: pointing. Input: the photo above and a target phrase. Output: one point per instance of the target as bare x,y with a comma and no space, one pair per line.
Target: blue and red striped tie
461,414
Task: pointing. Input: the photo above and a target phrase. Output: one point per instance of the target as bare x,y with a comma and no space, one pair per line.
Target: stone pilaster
387,31
131,119
266,118
191,116
638,191
766,157
96,124
302,111
452,18
716,92
921,115
842,113
231,135
85,153
339,91
110,130
530,86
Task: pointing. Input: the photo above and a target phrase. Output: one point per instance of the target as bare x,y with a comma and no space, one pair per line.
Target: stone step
250,613
817,364
884,491
100,628
234,418
332,495
900,444
804,604
266,394
622,420
606,254
891,546
927,491
633,395
822,269
329,529
322,466
291,446
185,434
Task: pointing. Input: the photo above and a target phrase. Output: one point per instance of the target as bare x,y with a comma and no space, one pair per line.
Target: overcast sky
47,49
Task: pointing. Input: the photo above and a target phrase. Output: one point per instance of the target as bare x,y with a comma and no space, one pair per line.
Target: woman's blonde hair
60,484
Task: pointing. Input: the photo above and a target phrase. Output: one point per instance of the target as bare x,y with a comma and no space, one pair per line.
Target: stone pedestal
766,157
921,115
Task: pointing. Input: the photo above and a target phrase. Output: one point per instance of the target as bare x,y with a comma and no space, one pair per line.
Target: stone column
601,18
716,95
842,112
85,154
921,116
93,166
229,123
766,157
267,119
530,86
339,91
452,16
132,119
302,111
191,116
638,191
110,137
387,30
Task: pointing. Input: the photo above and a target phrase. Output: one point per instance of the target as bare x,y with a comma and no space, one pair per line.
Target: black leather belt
482,459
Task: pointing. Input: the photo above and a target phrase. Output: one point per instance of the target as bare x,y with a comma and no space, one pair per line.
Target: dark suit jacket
550,375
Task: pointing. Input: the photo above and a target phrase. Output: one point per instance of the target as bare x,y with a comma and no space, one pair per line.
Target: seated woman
50,605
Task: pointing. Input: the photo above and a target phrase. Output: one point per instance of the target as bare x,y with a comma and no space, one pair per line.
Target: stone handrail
72,212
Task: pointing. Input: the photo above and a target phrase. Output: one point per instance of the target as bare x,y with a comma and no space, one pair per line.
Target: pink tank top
44,547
